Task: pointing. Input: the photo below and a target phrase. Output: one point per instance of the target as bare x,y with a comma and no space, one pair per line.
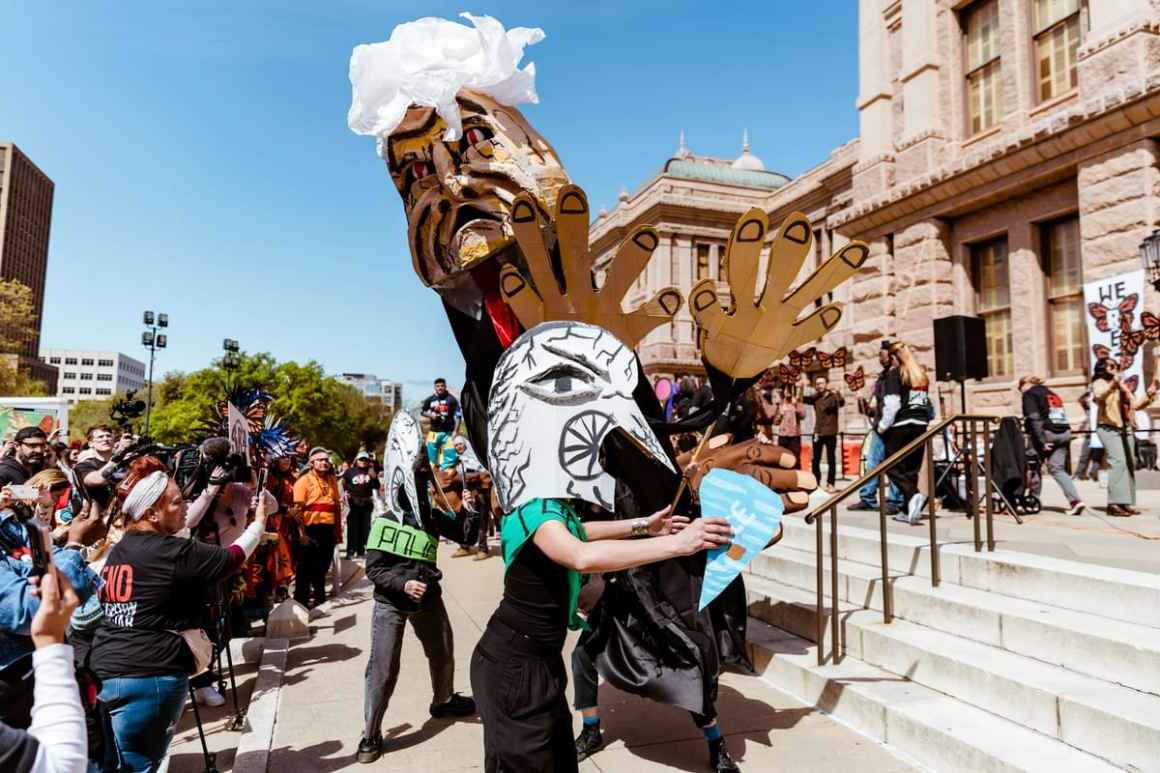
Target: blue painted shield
754,512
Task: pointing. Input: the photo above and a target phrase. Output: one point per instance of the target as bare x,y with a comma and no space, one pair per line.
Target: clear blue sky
203,165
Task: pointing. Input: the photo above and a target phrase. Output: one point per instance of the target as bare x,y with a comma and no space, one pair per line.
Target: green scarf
520,525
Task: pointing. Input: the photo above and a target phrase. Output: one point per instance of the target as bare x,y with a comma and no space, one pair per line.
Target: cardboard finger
631,258
830,274
521,297
743,254
787,254
815,325
795,501
526,225
572,238
749,452
705,307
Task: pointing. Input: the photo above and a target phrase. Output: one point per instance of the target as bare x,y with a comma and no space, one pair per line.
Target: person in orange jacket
317,505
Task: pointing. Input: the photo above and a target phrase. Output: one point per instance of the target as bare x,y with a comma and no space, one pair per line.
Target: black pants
793,444
585,682
314,557
904,475
433,628
358,526
519,687
829,443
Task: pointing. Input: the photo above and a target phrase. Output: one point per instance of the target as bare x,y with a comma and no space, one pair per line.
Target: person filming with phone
23,558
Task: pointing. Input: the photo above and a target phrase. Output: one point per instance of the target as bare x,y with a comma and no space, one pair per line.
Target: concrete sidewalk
320,716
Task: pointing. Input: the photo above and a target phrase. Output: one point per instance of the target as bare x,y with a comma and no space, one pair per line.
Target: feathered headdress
270,438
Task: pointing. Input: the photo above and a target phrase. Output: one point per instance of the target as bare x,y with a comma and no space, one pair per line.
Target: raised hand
770,465
762,327
576,297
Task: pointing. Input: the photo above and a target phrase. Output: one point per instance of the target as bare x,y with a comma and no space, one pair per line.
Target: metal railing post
835,623
930,501
887,605
820,628
973,483
987,477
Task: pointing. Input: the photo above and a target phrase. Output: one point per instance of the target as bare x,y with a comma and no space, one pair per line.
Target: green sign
401,540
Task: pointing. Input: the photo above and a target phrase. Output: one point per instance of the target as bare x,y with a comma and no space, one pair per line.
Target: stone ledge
253,754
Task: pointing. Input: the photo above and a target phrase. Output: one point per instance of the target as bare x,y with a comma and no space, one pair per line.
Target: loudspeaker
960,348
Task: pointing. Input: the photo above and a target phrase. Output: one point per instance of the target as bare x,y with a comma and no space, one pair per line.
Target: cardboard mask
558,392
403,459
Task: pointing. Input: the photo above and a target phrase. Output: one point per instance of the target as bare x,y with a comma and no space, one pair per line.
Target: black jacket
12,471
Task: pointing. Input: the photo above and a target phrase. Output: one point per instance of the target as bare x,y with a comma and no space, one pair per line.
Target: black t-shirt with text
100,494
359,485
442,411
153,585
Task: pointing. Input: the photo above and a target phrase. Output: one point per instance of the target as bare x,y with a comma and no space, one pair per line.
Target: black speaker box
960,348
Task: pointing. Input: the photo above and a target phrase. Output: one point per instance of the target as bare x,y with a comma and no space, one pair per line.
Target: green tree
17,327
316,407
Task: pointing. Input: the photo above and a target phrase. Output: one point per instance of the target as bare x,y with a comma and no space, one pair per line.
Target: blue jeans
873,452
145,711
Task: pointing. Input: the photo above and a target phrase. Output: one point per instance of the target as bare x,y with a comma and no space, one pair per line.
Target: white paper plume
426,62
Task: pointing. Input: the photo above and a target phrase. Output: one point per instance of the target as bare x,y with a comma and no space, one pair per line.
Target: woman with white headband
155,590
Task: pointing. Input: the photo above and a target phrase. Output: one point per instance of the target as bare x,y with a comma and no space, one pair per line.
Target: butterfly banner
754,513
1112,311
239,432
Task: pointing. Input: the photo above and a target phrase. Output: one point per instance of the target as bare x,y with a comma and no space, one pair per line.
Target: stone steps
936,731
1116,723
1108,592
1115,651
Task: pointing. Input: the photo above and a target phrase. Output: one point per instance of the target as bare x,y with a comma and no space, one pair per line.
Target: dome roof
747,160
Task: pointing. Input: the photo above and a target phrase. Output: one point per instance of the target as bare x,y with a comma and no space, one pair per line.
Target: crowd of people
132,553
164,552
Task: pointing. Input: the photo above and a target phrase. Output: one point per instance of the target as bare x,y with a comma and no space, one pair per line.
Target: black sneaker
590,741
458,706
369,751
719,759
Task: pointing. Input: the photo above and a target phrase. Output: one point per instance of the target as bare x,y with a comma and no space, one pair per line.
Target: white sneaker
914,509
1076,508
208,696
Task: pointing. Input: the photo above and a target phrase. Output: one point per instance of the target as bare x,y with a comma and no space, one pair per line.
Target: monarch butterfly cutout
1151,325
855,380
1108,316
788,374
836,359
1126,359
1131,383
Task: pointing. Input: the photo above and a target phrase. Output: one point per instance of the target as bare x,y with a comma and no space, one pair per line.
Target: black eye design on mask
563,384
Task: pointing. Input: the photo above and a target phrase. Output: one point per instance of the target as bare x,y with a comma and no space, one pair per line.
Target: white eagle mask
404,456
558,392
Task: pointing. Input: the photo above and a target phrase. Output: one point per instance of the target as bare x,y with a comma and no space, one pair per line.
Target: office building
93,375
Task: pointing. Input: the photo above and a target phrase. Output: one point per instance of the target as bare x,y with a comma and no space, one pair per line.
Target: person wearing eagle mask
477,181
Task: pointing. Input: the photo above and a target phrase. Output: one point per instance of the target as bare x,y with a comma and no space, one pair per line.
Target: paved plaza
320,713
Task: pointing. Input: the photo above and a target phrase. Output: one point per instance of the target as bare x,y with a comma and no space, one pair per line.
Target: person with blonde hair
906,412
1115,425
1045,422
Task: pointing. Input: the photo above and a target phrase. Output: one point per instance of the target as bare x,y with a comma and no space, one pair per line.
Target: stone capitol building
1007,153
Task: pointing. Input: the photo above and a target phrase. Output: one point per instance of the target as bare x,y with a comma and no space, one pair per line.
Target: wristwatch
639,527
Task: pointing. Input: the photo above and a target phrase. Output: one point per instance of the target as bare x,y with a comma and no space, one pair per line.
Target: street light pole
154,341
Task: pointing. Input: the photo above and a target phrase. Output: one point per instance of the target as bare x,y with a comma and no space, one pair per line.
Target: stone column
873,80
1028,301
1120,48
869,316
922,284
1119,204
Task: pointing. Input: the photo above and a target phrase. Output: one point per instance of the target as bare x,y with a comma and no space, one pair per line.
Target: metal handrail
969,448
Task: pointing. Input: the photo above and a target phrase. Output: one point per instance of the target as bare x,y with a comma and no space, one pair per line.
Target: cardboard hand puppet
559,391
763,325
754,512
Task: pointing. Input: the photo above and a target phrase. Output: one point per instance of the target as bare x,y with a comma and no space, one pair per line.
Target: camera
125,411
